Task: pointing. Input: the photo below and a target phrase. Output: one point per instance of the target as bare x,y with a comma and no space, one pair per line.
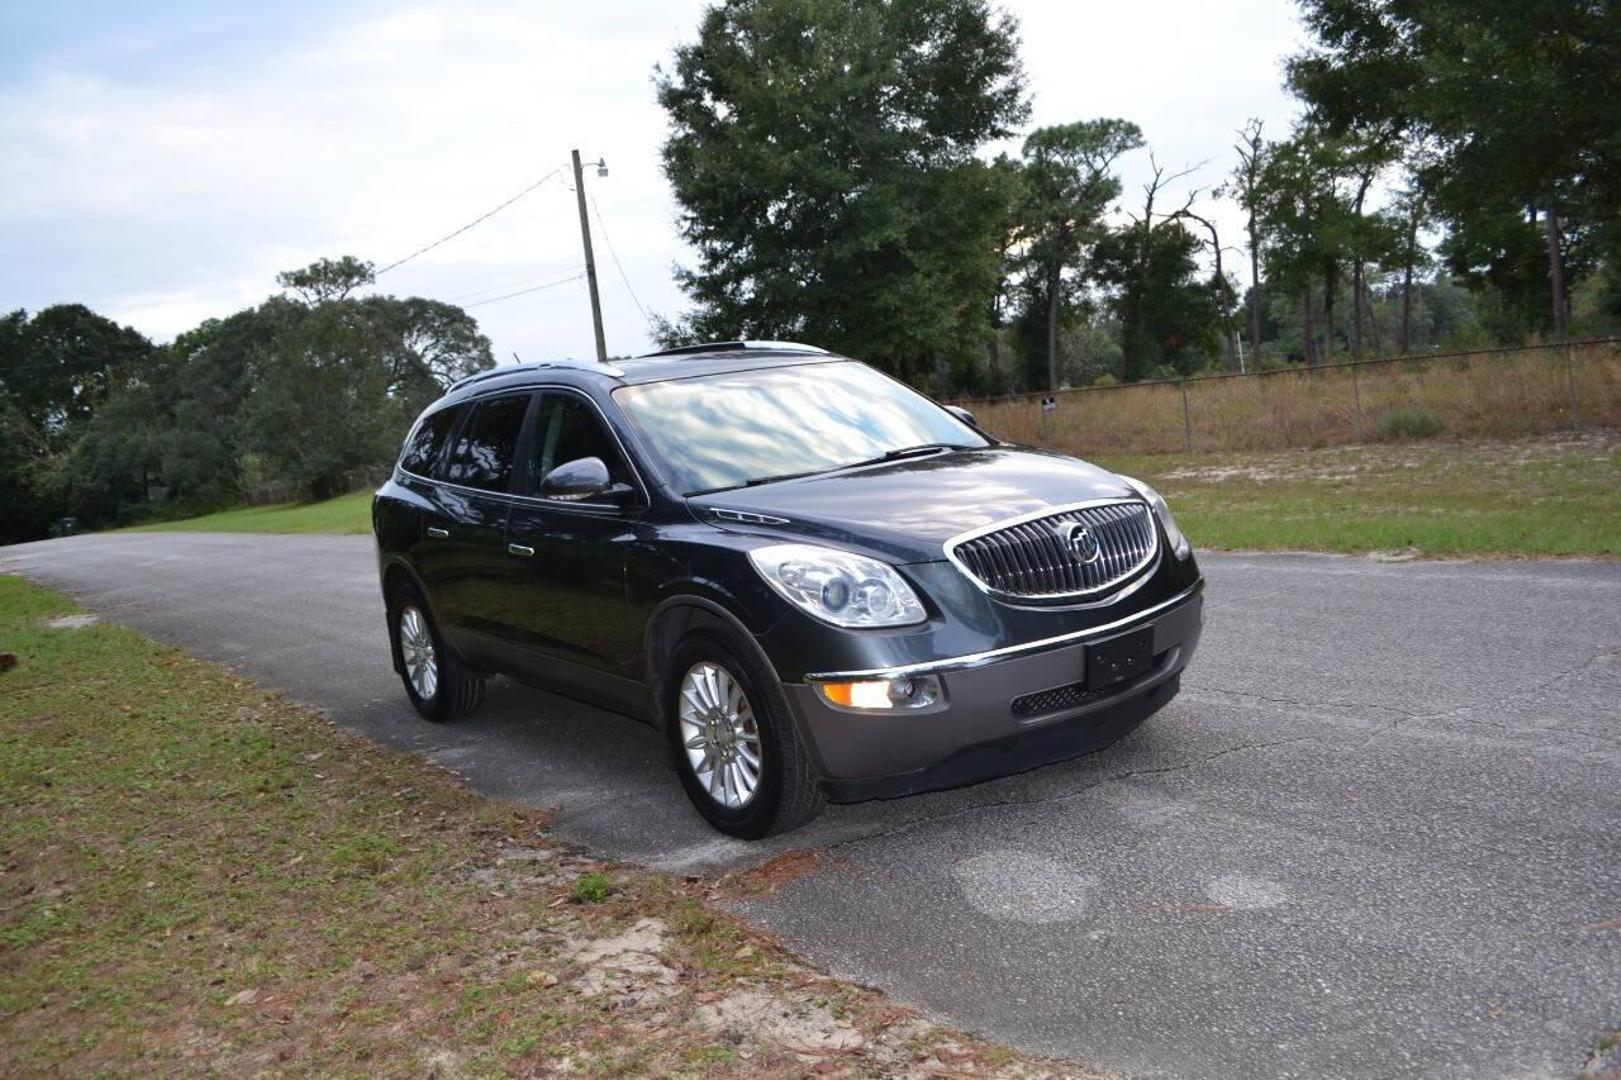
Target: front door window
570,429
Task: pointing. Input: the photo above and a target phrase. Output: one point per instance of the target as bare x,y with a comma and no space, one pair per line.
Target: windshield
721,431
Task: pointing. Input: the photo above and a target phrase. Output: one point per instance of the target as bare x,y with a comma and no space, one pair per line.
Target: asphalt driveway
1379,834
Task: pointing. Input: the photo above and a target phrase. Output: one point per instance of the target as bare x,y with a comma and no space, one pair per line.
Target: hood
906,510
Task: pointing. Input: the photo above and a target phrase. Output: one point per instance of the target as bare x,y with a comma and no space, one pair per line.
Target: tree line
100,425
1453,178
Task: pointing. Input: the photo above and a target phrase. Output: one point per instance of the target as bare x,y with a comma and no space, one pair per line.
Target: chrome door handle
520,549
437,533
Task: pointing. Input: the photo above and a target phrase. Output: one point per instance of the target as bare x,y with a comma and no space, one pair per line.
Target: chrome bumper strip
980,659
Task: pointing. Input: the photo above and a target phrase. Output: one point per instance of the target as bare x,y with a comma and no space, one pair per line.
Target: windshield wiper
920,450
757,481
888,455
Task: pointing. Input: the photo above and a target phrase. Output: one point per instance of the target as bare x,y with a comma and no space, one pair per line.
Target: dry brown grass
1495,395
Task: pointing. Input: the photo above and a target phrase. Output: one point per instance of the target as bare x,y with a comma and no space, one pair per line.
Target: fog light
914,692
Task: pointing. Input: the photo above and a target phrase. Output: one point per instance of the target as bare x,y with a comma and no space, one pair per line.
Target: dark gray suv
812,580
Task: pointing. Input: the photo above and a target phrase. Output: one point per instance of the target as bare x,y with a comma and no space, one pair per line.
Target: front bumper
976,733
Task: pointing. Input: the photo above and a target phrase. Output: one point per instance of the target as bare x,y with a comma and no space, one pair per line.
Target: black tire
457,690
788,793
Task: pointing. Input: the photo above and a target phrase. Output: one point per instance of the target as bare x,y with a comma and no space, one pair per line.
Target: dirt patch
1216,474
825,1026
1405,555
628,964
519,868
758,1016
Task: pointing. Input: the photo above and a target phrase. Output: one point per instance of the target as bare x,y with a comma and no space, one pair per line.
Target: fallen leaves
771,875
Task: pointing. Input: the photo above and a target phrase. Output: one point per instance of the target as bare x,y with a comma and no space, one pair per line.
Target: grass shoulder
345,514
1538,497
202,877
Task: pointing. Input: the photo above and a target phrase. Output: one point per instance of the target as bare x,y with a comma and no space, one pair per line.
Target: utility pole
590,261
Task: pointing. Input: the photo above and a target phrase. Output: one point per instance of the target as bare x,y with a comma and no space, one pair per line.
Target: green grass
592,888
173,837
197,877
1527,497
345,514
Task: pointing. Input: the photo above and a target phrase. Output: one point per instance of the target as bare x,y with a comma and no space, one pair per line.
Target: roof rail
533,365
734,346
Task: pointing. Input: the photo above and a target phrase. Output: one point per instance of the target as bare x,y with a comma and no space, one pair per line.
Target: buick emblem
1080,541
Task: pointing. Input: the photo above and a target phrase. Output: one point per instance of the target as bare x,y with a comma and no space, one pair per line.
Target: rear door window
422,448
487,446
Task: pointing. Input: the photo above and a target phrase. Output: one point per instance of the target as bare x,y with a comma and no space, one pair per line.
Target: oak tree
823,155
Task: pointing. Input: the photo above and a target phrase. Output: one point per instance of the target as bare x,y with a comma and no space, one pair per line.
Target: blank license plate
1118,659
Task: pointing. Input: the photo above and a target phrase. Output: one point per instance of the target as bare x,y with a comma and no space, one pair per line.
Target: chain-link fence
1485,393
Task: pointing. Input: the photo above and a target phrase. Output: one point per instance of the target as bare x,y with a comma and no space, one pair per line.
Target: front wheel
437,682
737,752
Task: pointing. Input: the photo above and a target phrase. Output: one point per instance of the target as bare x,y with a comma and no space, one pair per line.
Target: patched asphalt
1378,834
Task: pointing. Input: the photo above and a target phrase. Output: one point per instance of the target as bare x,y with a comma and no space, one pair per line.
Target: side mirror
963,414
582,478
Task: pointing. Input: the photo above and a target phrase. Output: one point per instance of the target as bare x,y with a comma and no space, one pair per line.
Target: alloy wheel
720,735
416,648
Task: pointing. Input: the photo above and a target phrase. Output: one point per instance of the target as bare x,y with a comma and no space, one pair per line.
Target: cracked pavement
1378,834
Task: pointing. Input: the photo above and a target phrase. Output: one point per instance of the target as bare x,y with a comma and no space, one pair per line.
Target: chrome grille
1030,558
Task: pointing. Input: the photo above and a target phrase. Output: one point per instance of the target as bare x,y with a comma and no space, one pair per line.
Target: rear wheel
739,756
437,682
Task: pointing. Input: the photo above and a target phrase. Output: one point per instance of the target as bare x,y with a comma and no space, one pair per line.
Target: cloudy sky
161,161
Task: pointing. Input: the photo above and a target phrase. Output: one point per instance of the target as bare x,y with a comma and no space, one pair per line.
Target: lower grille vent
1058,699
1062,699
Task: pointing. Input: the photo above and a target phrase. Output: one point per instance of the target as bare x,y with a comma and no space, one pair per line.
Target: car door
464,560
420,469
567,562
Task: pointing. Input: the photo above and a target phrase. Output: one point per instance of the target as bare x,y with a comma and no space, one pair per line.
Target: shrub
1105,379
1409,422
592,889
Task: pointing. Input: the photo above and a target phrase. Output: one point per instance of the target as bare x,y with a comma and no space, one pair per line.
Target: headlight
837,586
1173,535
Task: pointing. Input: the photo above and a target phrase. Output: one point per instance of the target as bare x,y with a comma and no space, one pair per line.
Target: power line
524,292
482,217
513,284
617,265
572,275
